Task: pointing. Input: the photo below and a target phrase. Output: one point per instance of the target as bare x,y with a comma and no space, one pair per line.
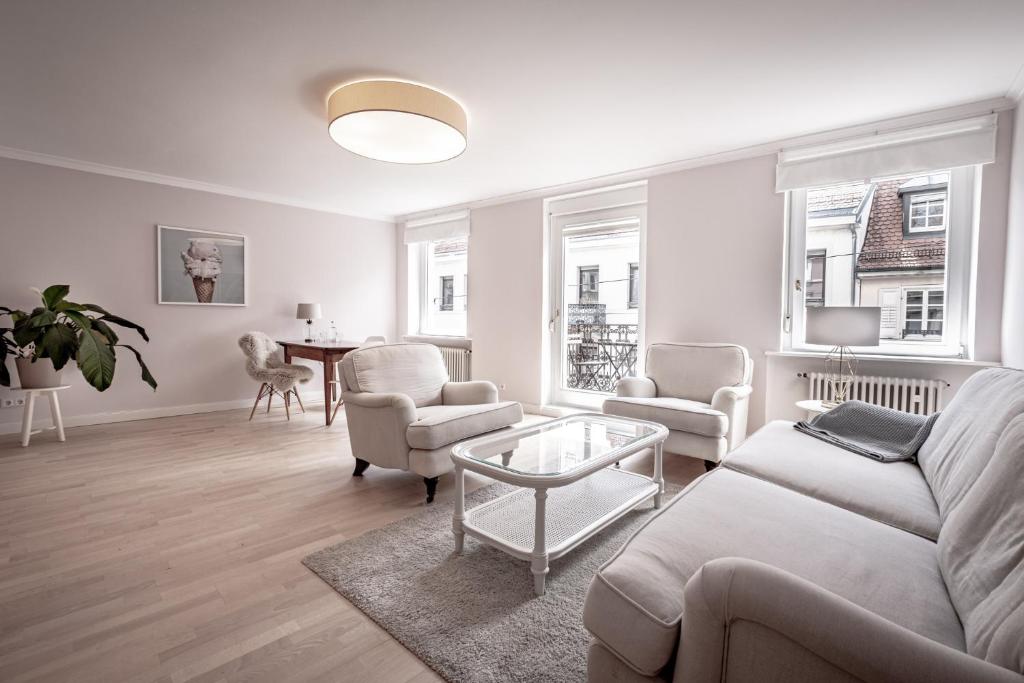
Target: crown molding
989,106
174,181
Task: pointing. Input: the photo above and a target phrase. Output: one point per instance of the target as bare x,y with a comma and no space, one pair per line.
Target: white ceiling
232,92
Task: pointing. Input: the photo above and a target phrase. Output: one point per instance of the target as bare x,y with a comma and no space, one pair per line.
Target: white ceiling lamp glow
396,121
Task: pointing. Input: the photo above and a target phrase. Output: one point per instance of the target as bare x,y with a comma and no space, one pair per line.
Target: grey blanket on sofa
872,431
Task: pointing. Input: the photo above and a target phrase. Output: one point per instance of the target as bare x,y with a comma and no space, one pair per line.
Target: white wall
1013,301
96,233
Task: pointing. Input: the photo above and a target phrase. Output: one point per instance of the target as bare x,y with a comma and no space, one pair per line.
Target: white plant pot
37,375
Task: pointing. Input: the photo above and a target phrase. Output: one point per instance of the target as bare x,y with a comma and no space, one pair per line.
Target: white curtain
434,228
926,148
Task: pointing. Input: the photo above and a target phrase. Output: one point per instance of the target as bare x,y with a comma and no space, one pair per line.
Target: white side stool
30,405
813,408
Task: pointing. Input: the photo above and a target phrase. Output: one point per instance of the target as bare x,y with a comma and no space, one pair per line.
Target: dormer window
925,205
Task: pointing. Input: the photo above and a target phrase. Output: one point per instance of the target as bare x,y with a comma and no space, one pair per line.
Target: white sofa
800,561
699,391
404,414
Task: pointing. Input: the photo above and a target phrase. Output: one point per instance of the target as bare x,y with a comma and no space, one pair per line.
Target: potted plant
61,330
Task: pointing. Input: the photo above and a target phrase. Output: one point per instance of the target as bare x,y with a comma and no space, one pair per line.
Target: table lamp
842,327
309,313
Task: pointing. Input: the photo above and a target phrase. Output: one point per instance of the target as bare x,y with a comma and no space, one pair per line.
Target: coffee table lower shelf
571,514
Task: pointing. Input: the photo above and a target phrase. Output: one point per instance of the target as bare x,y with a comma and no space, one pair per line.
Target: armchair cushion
696,371
438,426
675,413
416,370
635,603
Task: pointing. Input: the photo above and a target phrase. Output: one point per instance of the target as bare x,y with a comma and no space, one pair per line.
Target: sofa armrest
745,620
377,425
477,392
636,387
734,401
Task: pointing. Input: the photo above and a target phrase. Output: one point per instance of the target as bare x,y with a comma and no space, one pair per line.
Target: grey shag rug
474,617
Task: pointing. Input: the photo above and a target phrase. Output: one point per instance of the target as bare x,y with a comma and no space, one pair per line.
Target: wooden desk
327,353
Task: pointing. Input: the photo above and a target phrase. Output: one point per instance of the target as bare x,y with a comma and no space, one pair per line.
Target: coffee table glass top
560,446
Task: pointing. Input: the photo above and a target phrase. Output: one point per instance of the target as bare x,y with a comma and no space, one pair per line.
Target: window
589,283
634,286
438,282
447,292
899,243
815,283
923,313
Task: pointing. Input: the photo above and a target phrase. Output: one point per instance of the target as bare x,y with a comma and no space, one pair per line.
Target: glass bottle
334,334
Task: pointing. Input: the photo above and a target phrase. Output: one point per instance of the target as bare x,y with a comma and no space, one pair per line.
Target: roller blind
938,146
437,228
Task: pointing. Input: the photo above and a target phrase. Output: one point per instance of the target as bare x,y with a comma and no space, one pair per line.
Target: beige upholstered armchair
404,414
699,391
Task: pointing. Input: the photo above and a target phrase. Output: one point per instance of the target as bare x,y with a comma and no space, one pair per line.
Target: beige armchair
404,414
699,391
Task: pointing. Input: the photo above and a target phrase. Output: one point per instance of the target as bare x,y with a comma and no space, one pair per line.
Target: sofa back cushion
981,555
965,434
416,370
695,371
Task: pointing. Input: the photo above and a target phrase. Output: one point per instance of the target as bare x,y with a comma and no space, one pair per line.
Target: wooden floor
169,550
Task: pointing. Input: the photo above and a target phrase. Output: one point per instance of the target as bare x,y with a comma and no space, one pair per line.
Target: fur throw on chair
263,365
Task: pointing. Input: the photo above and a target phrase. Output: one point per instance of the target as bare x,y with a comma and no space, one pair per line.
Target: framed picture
201,267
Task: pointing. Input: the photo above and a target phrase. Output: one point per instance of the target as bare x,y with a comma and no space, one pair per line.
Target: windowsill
945,360
440,340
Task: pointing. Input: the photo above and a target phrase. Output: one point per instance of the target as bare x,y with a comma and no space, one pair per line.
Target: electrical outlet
7,403
20,401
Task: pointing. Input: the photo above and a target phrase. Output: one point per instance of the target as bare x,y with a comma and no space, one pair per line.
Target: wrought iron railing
599,355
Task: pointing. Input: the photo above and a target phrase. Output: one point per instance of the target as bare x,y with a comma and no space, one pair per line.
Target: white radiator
918,396
457,360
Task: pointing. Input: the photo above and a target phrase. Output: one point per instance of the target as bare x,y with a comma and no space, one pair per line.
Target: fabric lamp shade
843,325
308,312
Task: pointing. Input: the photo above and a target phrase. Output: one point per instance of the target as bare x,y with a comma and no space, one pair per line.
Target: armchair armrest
733,401
636,387
377,425
476,392
777,626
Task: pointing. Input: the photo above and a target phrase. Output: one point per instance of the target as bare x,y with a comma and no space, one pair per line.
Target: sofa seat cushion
635,602
675,413
894,493
437,426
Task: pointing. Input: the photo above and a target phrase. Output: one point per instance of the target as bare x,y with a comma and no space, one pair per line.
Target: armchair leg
431,483
361,466
709,465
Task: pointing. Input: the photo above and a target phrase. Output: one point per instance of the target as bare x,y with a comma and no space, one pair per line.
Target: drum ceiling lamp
396,121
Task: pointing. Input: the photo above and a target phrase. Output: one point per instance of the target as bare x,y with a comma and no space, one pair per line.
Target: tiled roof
837,200
885,248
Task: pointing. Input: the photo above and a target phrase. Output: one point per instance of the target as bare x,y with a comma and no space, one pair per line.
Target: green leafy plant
62,330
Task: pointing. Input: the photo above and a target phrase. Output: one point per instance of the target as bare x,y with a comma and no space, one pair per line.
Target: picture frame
197,267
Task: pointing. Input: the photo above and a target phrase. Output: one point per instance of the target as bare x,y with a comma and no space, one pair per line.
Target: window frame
447,298
633,286
419,292
962,197
909,232
926,292
823,255
596,291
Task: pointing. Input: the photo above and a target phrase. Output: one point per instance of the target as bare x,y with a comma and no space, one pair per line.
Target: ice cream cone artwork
203,262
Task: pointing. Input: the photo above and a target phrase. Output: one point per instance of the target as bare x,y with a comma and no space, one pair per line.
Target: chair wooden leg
336,406
270,398
259,396
431,483
301,407
287,405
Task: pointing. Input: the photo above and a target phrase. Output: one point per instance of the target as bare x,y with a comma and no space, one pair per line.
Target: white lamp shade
308,312
843,325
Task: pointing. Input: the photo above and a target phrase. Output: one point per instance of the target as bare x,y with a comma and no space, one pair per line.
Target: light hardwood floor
169,550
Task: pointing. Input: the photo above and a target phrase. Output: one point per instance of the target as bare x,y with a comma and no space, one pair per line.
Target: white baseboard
43,413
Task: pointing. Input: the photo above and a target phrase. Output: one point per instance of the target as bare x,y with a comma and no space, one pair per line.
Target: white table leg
539,564
26,418
659,478
58,421
460,508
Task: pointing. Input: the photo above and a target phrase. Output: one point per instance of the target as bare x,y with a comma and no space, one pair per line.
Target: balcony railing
599,355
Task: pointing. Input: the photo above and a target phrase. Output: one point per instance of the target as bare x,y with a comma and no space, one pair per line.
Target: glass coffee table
570,488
